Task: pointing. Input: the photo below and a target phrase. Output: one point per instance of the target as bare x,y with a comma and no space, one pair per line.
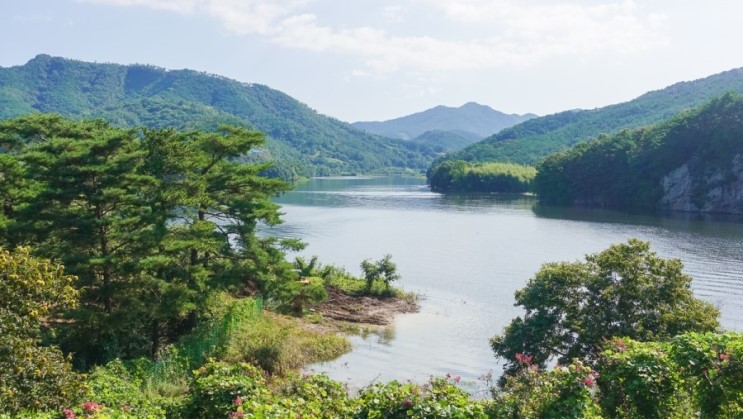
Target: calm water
468,254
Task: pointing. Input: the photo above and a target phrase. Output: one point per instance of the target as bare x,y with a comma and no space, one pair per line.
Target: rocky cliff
694,188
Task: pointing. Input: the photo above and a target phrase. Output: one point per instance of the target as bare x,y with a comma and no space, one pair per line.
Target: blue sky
379,59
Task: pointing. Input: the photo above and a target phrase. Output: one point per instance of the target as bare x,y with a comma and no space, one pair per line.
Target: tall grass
169,373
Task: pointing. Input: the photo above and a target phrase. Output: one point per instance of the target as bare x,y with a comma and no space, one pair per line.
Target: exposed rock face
695,189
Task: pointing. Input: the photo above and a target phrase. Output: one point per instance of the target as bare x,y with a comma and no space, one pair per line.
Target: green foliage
533,140
383,269
712,366
280,345
117,388
565,392
303,293
440,398
457,175
625,290
641,381
303,141
153,223
626,170
33,291
217,386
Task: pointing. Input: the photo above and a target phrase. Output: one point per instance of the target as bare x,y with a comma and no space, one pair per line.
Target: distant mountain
469,120
531,141
445,141
300,141
694,162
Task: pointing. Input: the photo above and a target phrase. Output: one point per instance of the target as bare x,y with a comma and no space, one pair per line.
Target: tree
152,222
32,376
383,269
624,291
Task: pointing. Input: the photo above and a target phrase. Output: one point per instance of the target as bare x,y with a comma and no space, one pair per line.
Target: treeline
458,175
626,170
535,139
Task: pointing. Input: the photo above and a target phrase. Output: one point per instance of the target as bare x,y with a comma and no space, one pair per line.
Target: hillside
694,162
300,141
444,141
531,141
470,120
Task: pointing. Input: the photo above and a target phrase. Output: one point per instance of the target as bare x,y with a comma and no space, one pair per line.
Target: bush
567,391
641,381
219,388
437,399
33,377
712,366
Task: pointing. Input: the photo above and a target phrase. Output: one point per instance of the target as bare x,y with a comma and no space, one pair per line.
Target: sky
380,59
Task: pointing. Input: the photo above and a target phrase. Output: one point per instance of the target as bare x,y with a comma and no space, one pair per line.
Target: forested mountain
470,120
300,141
531,141
694,162
445,141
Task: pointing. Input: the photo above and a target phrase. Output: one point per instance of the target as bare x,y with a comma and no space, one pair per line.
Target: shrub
640,380
567,391
33,377
712,365
218,388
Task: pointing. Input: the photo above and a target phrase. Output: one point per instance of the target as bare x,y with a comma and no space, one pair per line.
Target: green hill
470,120
300,141
444,141
531,141
694,162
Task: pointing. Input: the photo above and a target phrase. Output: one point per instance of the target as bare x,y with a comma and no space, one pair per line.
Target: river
467,255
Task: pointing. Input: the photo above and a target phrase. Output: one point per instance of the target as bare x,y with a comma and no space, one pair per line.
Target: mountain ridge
301,141
472,117
532,140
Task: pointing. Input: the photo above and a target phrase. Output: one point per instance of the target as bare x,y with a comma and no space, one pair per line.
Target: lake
467,255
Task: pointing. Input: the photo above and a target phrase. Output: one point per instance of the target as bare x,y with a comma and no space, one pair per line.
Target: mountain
445,141
469,120
693,162
531,141
299,140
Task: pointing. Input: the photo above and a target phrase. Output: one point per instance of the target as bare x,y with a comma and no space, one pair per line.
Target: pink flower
91,407
69,414
724,357
238,401
588,381
523,359
236,415
448,375
457,379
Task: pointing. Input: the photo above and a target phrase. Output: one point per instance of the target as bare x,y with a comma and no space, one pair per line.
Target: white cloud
524,31
393,14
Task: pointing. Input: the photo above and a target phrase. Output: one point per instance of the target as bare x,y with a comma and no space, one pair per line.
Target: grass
354,286
280,344
239,331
